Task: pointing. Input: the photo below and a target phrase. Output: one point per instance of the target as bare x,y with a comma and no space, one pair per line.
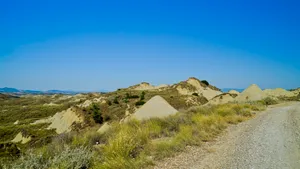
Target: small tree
139,103
97,114
195,94
134,97
143,95
269,101
205,82
116,100
127,96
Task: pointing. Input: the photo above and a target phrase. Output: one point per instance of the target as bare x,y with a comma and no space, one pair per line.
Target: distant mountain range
20,92
68,92
228,89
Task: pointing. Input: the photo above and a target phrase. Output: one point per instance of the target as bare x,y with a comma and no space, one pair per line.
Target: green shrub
143,95
269,101
96,114
140,103
9,149
195,94
205,82
134,97
127,96
116,100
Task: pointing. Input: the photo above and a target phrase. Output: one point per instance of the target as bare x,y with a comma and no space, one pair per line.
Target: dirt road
269,141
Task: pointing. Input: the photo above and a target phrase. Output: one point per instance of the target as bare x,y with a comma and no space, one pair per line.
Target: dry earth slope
271,140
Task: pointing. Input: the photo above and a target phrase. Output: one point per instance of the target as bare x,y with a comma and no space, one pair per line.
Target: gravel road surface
269,141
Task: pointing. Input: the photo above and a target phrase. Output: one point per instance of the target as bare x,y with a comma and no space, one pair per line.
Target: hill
37,92
9,90
7,96
42,120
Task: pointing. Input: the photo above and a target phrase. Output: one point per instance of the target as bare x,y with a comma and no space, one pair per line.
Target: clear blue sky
97,45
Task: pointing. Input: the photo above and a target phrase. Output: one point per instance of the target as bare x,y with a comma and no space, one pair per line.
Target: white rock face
222,99
184,91
16,122
147,86
61,121
207,92
234,92
252,93
20,138
85,104
104,128
279,92
156,107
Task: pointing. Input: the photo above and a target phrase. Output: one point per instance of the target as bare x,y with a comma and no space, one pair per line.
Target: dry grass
136,144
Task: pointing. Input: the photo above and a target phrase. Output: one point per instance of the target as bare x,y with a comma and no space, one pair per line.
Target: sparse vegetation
35,107
131,144
79,157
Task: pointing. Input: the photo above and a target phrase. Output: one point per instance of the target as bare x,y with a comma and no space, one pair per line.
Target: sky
105,45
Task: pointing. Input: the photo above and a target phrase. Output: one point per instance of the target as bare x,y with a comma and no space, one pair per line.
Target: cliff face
194,85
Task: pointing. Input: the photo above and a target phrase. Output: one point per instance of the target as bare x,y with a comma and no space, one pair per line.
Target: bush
76,158
97,114
205,82
143,95
195,94
269,101
134,97
116,100
125,147
140,103
72,158
129,96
